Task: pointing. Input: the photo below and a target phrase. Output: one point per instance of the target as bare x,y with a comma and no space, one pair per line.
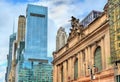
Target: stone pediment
77,28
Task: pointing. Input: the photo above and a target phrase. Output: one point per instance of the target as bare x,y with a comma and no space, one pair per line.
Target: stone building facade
61,38
21,28
86,55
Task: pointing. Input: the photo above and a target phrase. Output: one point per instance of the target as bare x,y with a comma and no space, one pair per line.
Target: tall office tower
61,38
9,57
21,28
33,65
114,22
36,32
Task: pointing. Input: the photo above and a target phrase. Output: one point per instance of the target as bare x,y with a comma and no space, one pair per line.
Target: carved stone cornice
100,28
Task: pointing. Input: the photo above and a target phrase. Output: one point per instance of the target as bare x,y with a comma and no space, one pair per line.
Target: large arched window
76,69
97,59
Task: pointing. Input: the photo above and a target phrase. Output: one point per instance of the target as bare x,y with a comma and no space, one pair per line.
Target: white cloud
60,12
2,73
8,14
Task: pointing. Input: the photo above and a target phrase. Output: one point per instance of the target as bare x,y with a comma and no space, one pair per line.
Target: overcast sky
59,13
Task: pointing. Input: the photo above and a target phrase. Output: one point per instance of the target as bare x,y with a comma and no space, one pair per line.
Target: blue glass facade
36,32
41,72
33,60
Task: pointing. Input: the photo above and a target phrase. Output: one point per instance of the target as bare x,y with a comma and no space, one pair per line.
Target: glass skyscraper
36,32
33,65
9,57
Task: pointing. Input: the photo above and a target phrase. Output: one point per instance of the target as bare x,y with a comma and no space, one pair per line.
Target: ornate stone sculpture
77,28
74,22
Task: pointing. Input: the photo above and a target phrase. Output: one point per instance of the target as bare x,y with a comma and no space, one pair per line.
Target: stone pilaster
103,54
57,70
73,60
82,64
86,60
89,58
65,71
79,65
59,73
55,74
89,55
69,69
92,55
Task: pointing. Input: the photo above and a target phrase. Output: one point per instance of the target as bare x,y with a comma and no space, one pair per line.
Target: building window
118,37
37,15
76,69
118,30
118,44
97,59
118,78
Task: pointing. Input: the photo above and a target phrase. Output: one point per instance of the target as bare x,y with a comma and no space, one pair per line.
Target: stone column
92,55
59,73
69,69
65,71
86,60
72,71
55,74
79,65
89,55
103,54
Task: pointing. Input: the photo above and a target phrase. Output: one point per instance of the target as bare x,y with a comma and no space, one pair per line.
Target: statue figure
74,22
77,28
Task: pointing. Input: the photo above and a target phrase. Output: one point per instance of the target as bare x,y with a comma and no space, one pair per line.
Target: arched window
76,69
97,59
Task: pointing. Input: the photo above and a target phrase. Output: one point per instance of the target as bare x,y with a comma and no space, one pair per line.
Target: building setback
86,55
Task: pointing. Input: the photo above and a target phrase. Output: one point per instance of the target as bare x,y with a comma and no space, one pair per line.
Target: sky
59,14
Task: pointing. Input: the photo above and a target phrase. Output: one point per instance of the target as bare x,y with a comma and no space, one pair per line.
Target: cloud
3,63
9,13
59,13
2,73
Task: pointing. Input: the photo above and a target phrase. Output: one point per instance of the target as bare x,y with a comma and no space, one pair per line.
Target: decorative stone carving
77,28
